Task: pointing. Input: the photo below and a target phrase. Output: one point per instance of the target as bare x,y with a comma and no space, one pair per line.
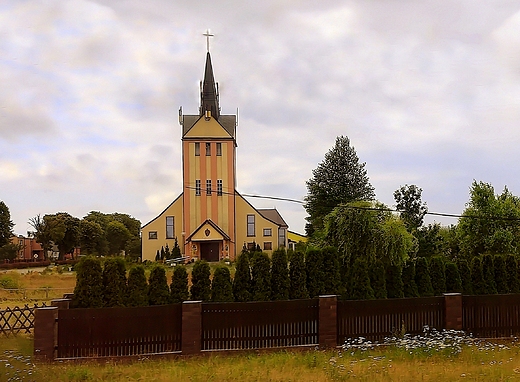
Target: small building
29,248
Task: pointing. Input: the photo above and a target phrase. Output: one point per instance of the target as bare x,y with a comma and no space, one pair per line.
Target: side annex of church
210,220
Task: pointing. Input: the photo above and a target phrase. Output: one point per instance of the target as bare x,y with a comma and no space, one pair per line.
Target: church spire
209,92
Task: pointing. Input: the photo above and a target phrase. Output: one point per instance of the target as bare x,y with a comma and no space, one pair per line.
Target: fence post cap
192,302
452,294
47,308
327,295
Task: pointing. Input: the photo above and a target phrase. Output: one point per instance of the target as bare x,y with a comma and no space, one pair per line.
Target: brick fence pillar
453,311
45,333
191,327
327,328
61,303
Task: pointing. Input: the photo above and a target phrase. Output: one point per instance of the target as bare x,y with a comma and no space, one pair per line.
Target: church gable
208,231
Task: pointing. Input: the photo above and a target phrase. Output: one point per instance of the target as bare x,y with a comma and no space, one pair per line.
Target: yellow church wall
158,225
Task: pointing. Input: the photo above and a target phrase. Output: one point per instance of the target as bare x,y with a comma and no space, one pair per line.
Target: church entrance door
209,251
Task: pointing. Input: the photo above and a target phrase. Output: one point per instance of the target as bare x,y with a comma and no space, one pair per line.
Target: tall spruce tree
360,288
453,279
394,281
200,281
340,178
500,274
331,271
410,287
261,277
158,290
297,277
242,280
513,281
137,288
221,285
488,270
422,278
88,292
179,291
114,282
477,276
465,276
279,275
438,275
314,271
378,279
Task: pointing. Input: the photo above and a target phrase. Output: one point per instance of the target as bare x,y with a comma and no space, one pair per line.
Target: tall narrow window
208,187
197,149
219,149
169,227
197,187
250,225
281,237
208,149
219,187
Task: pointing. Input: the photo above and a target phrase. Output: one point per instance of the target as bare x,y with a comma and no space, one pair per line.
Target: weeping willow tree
368,230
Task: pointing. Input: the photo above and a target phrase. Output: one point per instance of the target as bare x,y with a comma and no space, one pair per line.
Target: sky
428,93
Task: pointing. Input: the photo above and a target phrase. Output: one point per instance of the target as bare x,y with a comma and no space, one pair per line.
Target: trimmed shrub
114,282
330,272
279,275
378,279
513,281
297,277
438,275
158,291
465,276
477,276
221,286
410,287
500,274
200,281
314,271
360,284
422,278
488,270
394,282
179,285
137,288
453,280
88,292
242,280
261,277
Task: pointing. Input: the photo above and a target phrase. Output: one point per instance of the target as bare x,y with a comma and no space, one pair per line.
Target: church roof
273,215
209,95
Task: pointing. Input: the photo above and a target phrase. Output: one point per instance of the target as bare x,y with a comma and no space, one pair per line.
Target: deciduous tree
410,206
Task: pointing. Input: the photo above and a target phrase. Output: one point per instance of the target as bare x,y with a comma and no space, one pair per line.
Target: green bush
179,286
261,277
500,274
242,280
9,282
221,286
279,275
200,281
331,281
88,292
158,291
360,288
438,275
297,277
488,270
114,282
410,287
465,276
422,278
513,280
394,281
477,276
137,288
314,271
453,279
378,279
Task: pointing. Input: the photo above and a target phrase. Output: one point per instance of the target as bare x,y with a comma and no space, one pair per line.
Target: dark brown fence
109,332
256,325
16,320
491,315
377,319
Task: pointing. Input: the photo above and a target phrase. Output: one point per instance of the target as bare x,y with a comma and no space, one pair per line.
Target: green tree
378,279
158,290
500,274
137,288
279,275
114,282
221,285
297,276
117,236
394,281
422,278
411,208
6,225
513,280
477,276
331,271
488,270
242,280
453,279
465,276
340,178
314,271
60,229
200,281
410,287
179,286
176,251
438,275
261,277
360,288
88,292
430,241
91,238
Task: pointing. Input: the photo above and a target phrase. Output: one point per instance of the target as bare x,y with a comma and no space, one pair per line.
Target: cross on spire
208,35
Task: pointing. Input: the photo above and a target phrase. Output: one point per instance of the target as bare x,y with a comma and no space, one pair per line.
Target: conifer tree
453,279
88,292
378,279
279,275
512,274
500,274
242,280
137,289
158,290
422,278
167,253
438,275
477,276
331,271
176,251
488,270
157,256
410,287
163,253
261,277
394,281
221,285
298,279
179,285
360,283
114,282
314,271
200,281
465,276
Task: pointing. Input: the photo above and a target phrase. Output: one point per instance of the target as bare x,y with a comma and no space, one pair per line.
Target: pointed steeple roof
209,94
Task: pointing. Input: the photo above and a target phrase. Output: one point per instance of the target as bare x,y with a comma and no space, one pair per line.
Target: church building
210,220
